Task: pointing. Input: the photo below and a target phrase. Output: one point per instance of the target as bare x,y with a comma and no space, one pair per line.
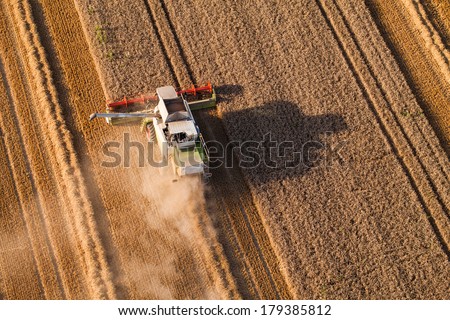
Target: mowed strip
32,181
153,259
19,274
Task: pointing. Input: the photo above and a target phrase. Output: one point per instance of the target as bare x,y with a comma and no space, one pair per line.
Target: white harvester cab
177,135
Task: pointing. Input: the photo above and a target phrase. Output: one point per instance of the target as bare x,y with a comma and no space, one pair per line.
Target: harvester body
170,124
177,134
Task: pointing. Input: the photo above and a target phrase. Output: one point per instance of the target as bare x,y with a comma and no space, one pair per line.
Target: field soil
355,207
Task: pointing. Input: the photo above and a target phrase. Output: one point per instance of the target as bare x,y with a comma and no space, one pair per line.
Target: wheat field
359,89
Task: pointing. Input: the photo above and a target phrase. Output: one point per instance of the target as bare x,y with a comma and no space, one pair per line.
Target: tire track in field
179,48
397,123
384,126
439,161
161,45
238,217
65,162
430,90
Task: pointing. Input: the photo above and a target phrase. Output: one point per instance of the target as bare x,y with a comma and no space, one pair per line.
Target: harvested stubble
370,226
77,237
18,271
25,144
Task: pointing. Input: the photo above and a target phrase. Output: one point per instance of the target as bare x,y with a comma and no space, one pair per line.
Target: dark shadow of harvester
277,140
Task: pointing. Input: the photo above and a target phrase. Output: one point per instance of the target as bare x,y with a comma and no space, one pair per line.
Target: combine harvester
170,124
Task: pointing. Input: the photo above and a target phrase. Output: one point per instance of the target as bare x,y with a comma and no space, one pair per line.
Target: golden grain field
362,86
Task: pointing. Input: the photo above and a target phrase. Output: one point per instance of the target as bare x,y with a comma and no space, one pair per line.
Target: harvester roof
187,127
